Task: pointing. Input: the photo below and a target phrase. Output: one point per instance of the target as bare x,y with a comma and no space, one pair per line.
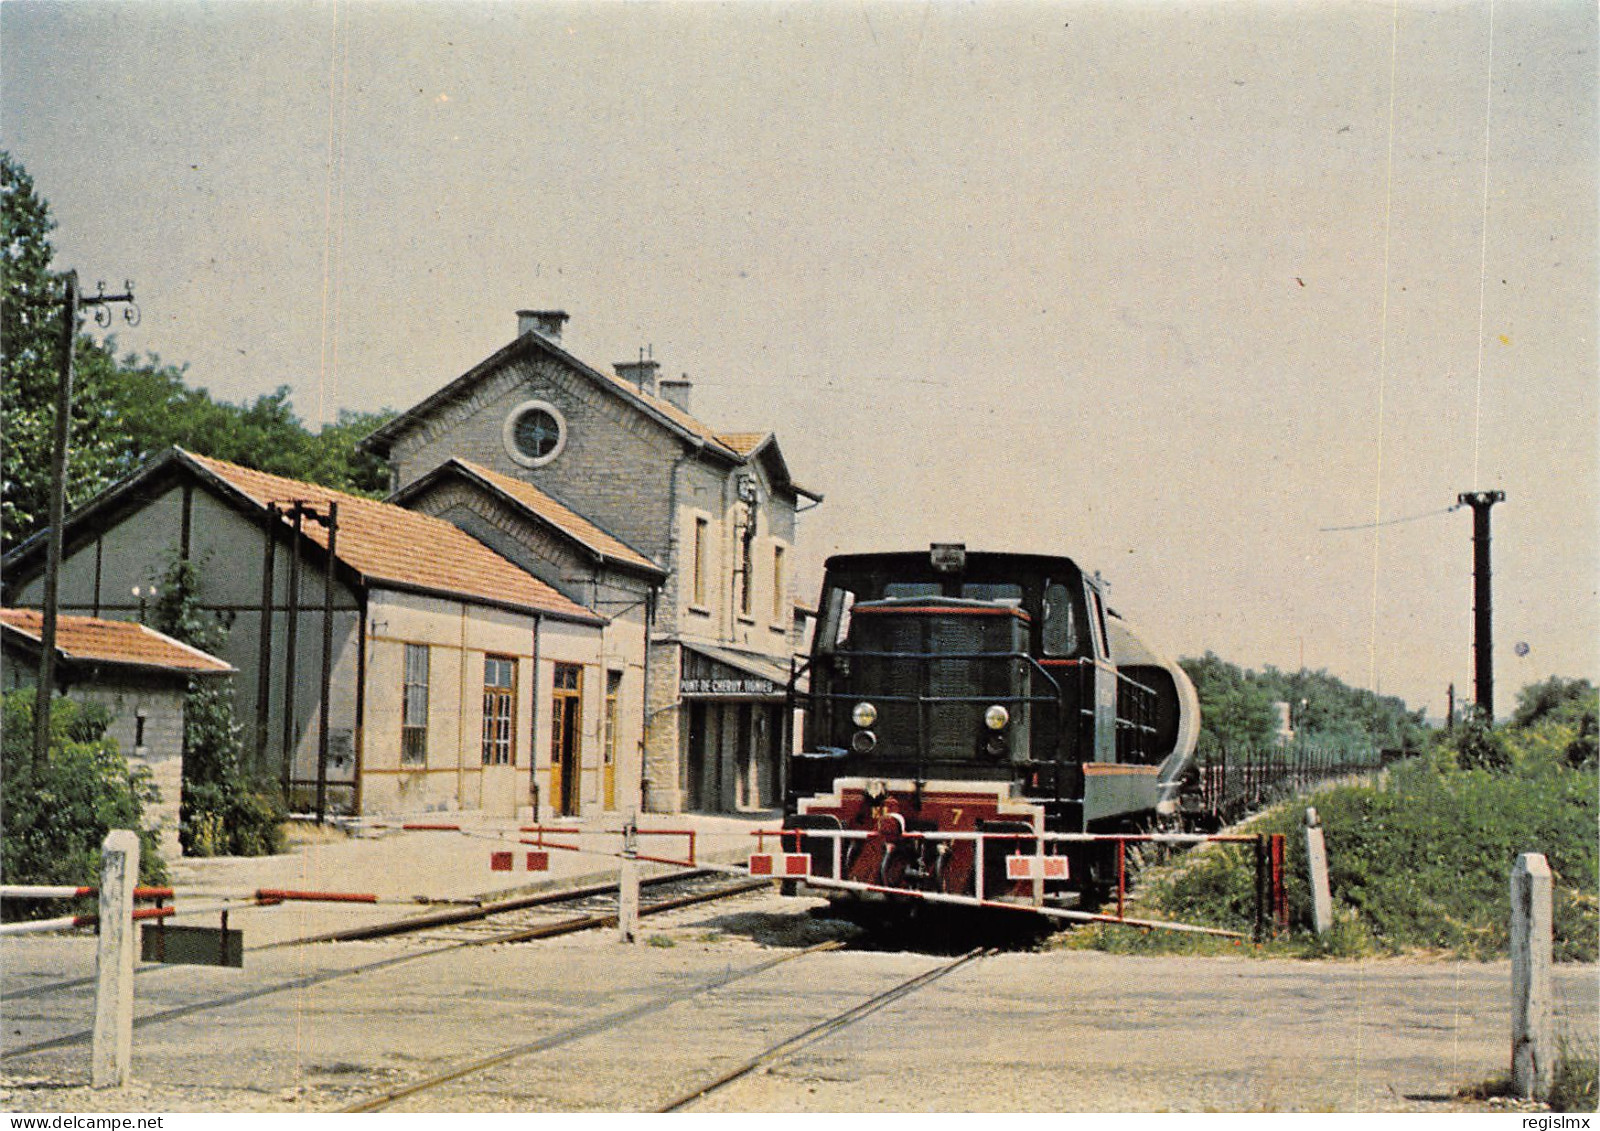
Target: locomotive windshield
1050,590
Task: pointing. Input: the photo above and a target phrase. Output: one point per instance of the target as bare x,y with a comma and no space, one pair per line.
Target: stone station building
713,513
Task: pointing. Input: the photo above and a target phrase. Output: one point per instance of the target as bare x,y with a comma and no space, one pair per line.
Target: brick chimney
641,373
676,391
545,323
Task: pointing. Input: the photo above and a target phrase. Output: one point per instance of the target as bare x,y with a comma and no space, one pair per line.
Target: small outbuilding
139,675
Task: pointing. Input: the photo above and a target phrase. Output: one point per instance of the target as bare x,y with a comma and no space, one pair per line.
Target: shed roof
92,640
385,543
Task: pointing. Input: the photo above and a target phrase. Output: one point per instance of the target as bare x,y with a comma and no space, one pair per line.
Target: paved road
1050,1031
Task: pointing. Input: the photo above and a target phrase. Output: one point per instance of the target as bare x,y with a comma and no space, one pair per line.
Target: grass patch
1576,1086
1418,861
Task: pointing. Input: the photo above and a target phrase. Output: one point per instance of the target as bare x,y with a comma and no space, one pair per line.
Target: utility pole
71,303
1482,603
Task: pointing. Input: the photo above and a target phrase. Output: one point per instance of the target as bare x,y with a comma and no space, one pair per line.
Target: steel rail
826,1028
567,926
588,1028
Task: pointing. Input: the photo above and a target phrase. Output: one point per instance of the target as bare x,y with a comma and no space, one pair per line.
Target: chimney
676,392
545,323
641,373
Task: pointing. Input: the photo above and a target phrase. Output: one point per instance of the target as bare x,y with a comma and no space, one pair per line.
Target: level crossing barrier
1045,864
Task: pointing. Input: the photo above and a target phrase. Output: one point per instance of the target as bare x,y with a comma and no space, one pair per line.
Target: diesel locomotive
961,711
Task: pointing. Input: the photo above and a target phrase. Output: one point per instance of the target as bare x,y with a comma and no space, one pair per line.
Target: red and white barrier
793,865
1036,867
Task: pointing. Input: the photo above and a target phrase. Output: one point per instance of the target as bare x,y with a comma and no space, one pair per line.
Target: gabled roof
539,506
734,447
664,412
762,447
387,544
379,543
92,640
744,442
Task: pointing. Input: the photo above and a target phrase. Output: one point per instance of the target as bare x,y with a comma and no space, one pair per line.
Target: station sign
746,686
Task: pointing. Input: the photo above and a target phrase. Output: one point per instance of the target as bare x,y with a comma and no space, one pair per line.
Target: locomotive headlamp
996,717
864,714
864,742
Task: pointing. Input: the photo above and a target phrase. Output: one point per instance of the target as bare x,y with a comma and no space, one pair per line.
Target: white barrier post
113,1003
628,887
1532,1043
1317,867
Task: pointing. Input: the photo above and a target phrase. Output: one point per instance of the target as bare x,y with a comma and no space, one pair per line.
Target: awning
710,672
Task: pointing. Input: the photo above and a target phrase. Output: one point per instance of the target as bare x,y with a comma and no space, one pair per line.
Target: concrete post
1317,869
113,1003
1533,1051
628,888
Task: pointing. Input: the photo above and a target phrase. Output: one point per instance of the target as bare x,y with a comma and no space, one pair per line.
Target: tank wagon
957,706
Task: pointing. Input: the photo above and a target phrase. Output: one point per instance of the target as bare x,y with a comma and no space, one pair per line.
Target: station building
693,529
577,600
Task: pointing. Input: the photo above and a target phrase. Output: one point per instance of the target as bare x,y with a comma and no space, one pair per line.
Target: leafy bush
1419,860
57,815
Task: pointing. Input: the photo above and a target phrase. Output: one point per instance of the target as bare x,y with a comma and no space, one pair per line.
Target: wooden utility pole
71,303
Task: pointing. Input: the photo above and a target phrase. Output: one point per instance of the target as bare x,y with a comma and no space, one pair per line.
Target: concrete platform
412,872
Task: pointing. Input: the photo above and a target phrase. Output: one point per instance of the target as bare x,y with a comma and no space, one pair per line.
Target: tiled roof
384,542
743,442
663,407
561,516
91,639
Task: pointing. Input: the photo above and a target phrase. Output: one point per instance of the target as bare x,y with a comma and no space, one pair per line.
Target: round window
535,433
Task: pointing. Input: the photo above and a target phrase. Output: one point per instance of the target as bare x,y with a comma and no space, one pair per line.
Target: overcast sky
1168,288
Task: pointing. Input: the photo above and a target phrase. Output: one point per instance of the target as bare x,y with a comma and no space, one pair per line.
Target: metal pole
1482,602
291,645
58,514
327,661
628,887
1261,887
264,657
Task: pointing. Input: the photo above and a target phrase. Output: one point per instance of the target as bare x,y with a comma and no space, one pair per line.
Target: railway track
771,1055
470,928
416,924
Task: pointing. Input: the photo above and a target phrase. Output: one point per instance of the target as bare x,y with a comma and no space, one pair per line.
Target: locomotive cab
960,707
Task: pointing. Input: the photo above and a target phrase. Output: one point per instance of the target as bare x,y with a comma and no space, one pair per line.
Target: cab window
1060,621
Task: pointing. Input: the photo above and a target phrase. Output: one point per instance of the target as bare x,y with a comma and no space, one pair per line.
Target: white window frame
508,433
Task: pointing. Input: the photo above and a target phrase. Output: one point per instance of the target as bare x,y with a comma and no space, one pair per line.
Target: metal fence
1228,784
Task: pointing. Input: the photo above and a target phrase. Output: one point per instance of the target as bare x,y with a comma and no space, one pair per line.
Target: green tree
1565,711
125,412
30,370
1236,708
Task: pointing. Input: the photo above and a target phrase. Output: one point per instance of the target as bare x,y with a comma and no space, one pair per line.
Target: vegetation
1420,859
57,815
223,811
1236,709
123,412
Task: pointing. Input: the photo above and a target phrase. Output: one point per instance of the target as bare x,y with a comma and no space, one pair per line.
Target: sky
1174,289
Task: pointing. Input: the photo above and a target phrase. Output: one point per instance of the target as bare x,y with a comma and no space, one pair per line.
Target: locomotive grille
955,691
